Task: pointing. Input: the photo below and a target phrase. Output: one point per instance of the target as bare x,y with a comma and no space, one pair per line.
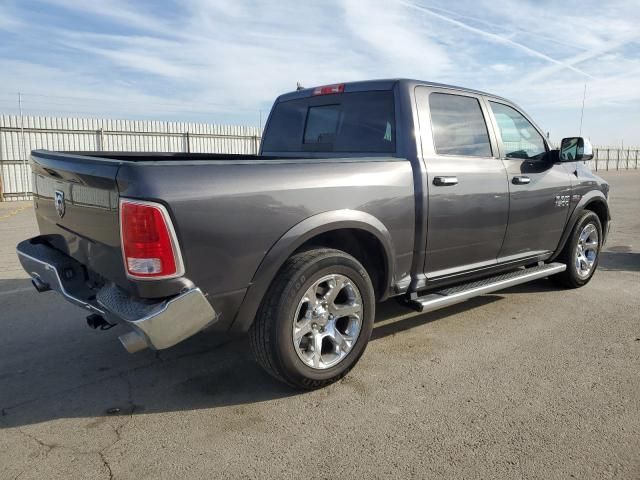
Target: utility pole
584,94
25,178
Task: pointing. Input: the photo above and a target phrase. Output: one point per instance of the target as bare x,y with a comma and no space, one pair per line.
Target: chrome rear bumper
157,324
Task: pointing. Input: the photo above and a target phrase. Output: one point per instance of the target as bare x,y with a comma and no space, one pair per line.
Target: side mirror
575,149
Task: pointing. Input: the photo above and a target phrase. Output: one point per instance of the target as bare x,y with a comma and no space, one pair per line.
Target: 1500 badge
562,200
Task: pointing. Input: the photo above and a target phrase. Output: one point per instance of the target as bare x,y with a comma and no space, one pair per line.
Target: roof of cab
380,84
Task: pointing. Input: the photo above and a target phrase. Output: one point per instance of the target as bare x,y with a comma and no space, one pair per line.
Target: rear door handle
445,181
521,180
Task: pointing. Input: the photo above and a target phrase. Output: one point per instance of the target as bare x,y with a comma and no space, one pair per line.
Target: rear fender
297,236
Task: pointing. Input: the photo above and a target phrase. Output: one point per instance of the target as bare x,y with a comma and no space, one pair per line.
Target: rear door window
458,126
357,122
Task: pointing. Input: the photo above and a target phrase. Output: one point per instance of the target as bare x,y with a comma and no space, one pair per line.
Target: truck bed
161,156
228,210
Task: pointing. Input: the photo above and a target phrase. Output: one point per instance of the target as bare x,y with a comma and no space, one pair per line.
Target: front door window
519,138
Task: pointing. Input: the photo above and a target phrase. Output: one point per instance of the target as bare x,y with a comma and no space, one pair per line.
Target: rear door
540,190
468,199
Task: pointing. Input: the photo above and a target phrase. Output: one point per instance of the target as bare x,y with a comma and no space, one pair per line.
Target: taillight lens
329,89
149,246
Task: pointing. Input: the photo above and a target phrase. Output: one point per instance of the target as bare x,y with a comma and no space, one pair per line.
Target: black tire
271,333
571,278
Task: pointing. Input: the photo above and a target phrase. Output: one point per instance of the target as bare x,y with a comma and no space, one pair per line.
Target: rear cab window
356,122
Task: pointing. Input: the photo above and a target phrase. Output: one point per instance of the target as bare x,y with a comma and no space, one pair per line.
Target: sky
225,61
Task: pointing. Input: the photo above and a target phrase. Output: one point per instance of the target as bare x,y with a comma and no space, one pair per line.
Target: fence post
25,158
636,159
2,167
628,153
187,138
607,164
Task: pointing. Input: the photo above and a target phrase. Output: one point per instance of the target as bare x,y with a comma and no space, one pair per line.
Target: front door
468,198
539,190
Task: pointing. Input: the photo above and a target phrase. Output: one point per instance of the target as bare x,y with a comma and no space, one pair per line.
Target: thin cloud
117,11
390,32
581,58
8,21
493,37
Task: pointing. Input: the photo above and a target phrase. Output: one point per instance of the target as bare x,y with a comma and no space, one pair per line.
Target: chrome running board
460,293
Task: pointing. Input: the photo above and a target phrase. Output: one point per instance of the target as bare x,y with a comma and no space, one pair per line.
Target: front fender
297,236
586,200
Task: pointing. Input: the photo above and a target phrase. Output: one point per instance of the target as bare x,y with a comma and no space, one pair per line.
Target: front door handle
521,180
445,181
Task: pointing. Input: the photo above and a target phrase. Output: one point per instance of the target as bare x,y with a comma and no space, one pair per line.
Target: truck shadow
619,261
52,366
393,316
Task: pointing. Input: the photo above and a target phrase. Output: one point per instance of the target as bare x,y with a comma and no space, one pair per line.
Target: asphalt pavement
532,382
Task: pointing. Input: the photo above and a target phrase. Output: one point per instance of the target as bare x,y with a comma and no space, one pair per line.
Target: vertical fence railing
609,159
19,136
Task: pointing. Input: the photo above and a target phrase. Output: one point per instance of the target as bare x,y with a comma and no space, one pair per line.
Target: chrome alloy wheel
587,250
327,321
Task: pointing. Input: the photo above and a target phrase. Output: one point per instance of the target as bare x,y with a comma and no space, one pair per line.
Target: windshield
358,122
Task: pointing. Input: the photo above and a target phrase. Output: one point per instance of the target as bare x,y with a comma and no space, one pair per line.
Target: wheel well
361,245
600,209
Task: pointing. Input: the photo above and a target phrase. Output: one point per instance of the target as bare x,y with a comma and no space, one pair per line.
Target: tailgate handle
445,181
52,172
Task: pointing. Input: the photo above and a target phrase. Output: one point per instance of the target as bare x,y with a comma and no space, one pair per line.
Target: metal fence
18,136
614,158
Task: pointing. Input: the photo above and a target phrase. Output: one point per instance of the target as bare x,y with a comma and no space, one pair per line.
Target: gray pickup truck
362,191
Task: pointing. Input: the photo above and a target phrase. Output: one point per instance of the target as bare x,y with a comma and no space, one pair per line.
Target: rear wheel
581,252
316,319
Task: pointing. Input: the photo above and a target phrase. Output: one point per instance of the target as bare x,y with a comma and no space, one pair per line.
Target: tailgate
76,205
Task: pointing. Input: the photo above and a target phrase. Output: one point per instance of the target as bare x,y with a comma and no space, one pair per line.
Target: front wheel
316,319
581,252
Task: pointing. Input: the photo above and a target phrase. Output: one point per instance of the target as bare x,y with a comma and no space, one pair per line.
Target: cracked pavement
533,382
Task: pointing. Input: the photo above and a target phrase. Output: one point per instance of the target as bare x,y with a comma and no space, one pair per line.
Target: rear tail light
329,89
149,245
